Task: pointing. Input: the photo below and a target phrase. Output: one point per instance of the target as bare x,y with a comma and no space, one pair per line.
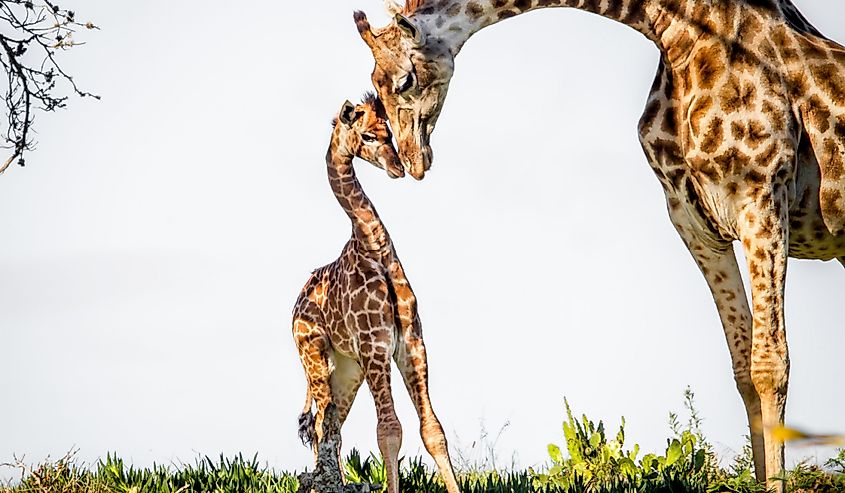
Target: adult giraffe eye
408,83
368,137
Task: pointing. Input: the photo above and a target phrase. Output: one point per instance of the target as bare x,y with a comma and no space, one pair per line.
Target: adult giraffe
744,128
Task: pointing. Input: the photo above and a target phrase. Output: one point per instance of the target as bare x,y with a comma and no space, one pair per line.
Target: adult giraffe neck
367,227
454,22
670,24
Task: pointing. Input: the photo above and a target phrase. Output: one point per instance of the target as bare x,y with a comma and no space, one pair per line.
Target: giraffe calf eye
368,137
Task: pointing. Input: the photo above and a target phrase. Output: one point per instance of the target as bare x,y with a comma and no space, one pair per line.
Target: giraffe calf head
364,131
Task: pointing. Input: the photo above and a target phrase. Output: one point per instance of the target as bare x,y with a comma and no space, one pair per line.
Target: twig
43,27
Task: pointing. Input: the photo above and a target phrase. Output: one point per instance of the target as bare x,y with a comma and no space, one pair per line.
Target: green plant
594,463
810,478
598,464
837,464
739,477
371,470
593,460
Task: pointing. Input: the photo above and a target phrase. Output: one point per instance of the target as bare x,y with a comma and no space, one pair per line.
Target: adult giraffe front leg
721,271
714,256
766,240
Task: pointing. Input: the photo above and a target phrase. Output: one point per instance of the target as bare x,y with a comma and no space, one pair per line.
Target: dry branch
32,35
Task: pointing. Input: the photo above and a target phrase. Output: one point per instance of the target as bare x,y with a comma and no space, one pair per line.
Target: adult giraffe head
411,75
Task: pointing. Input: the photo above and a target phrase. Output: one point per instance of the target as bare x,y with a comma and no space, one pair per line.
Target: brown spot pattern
474,10
713,136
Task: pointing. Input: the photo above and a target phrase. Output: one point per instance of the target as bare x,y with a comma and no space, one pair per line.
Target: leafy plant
596,463
371,470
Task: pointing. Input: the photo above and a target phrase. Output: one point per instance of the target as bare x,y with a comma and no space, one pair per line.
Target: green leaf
698,461
595,440
554,453
673,453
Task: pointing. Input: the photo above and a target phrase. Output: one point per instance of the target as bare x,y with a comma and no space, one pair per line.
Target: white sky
153,247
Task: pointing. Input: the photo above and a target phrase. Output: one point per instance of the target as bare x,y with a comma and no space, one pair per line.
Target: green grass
239,474
590,461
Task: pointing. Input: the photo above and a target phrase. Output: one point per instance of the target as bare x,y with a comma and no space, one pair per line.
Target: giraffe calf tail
307,429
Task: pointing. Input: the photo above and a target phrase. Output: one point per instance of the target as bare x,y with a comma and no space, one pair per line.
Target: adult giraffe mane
411,6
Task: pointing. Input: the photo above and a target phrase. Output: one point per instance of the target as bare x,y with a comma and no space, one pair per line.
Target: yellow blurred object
783,434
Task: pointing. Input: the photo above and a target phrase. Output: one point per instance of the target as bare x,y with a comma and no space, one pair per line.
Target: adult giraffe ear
409,29
364,28
347,114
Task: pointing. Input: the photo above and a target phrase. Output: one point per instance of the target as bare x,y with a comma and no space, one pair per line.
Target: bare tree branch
32,33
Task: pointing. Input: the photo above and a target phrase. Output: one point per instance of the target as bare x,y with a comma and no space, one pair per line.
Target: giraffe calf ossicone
357,313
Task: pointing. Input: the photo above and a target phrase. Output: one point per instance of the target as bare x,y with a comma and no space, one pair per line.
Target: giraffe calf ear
347,114
407,26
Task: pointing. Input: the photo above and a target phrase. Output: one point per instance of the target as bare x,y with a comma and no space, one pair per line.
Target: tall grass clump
596,463
112,475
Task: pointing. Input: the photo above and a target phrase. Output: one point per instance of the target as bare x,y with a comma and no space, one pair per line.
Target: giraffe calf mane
370,99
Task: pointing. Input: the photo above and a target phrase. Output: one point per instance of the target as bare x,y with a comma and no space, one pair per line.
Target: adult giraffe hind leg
716,259
412,362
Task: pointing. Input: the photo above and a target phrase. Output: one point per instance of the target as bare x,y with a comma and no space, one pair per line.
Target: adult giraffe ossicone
744,128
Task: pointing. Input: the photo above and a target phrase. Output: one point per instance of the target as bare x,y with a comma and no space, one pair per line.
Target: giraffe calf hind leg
313,347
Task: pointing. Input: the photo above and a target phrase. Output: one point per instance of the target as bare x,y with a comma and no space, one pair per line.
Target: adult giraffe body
744,128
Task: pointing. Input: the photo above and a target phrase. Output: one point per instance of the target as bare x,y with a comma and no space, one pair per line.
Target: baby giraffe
358,312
